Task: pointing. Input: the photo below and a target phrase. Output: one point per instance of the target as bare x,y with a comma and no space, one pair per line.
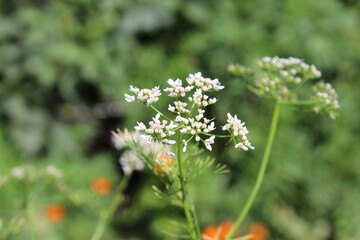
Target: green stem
218,136
187,210
261,173
106,214
29,216
300,102
156,110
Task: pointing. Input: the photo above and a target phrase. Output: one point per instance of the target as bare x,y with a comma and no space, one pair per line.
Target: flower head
282,76
158,129
18,172
128,139
54,171
258,231
101,185
55,212
219,232
190,121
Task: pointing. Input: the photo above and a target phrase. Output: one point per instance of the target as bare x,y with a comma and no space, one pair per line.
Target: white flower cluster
18,172
196,126
205,84
239,131
326,99
177,89
126,139
193,123
145,95
30,173
283,75
201,100
130,162
54,171
158,130
180,107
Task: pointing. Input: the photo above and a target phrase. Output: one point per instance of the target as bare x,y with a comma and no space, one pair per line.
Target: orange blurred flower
218,232
258,231
55,212
163,161
101,185
210,232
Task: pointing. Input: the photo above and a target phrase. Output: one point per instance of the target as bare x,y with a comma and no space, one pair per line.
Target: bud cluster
289,66
282,76
326,99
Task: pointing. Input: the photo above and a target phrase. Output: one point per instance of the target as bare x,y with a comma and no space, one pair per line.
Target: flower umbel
280,79
189,107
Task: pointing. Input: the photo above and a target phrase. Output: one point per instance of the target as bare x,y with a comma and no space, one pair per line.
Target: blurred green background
65,65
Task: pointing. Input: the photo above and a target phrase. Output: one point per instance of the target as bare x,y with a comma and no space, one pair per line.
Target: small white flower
171,108
130,162
140,126
185,145
54,171
208,142
147,138
18,172
134,89
167,141
129,98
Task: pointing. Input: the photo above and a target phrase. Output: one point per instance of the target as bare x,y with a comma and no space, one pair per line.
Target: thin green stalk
29,216
261,173
196,222
105,215
298,102
187,210
156,110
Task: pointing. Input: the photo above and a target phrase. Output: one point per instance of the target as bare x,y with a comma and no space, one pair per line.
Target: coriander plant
168,144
